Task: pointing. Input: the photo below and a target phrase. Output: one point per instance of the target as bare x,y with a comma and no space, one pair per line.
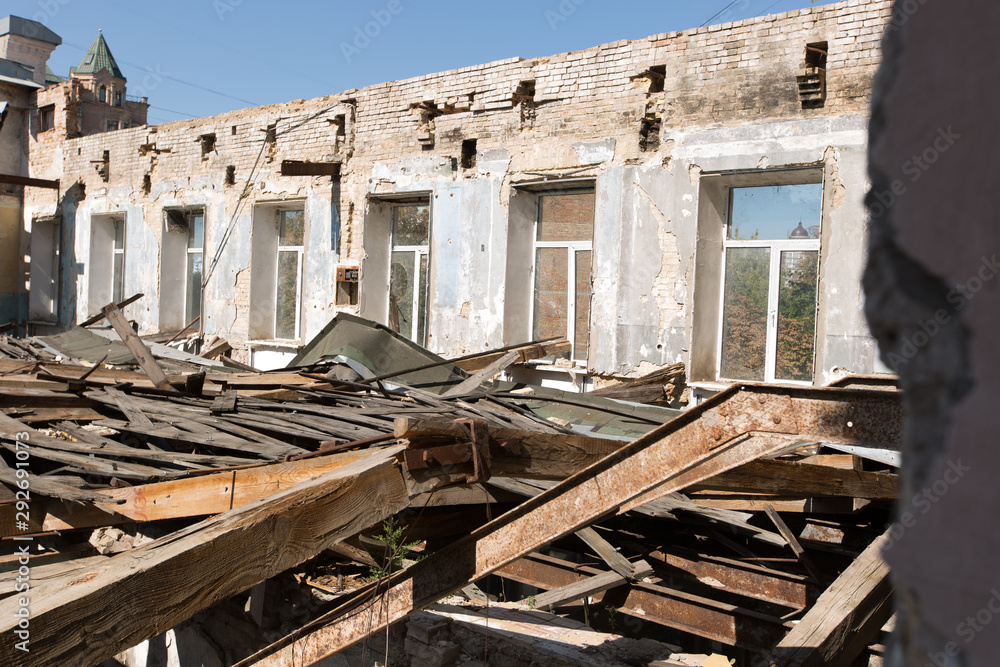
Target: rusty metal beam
29,182
731,428
655,603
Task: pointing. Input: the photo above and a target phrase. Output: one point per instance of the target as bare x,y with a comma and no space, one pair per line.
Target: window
112,125
564,232
118,98
47,118
182,260
118,263
106,268
769,285
102,94
286,312
276,269
408,270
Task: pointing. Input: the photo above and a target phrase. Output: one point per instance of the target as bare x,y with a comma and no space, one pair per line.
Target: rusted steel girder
725,431
655,603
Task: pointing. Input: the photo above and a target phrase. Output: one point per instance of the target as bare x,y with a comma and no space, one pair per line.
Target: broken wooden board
846,617
83,620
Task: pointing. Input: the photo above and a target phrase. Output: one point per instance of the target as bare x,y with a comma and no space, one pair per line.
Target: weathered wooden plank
790,479
587,587
97,318
793,541
201,495
135,345
846,617
472,383
84,620
128,407
607,552
527,352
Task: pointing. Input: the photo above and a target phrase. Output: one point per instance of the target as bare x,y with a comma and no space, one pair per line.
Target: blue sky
202,57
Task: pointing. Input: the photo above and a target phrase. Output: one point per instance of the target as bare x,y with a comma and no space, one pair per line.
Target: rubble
734,524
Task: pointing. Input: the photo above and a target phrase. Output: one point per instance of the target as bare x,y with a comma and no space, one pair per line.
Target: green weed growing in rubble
396,551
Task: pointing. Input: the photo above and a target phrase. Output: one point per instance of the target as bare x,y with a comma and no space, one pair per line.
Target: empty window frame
770,282
44,271
102,94
409,266
46,118
563,256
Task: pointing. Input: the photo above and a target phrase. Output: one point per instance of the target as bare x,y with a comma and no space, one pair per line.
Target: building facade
693,196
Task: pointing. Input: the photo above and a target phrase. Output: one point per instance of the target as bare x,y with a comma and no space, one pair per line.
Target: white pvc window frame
118,279
572,248
776,247
418,251
299,251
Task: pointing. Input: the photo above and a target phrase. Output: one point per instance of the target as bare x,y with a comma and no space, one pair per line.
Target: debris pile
152,489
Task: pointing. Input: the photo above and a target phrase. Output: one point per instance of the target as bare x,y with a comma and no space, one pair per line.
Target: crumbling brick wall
543,114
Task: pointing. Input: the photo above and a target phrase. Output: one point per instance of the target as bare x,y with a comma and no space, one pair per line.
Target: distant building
42,109
92,100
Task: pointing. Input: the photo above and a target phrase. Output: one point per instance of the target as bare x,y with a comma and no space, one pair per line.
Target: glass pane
551,293
196,231
744,324
119,233
796,316
401,278
776,212
291,225
410,224
286,300
118,278
422,306
193,296
582,334
566,217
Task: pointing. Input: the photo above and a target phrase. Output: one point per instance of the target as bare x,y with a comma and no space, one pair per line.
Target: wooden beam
790,479
137,347
121,304
608,553
88,618
526,352
586,587
472,383
846,618
793,541
197,496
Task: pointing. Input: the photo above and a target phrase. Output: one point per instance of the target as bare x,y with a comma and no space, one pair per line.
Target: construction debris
372,479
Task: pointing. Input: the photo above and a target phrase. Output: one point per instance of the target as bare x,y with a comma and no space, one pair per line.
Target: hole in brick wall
812,80
657,74
525,92
147,184
340,121
816,54
649,134
272,133
207,144
469,154
231,175
233,130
